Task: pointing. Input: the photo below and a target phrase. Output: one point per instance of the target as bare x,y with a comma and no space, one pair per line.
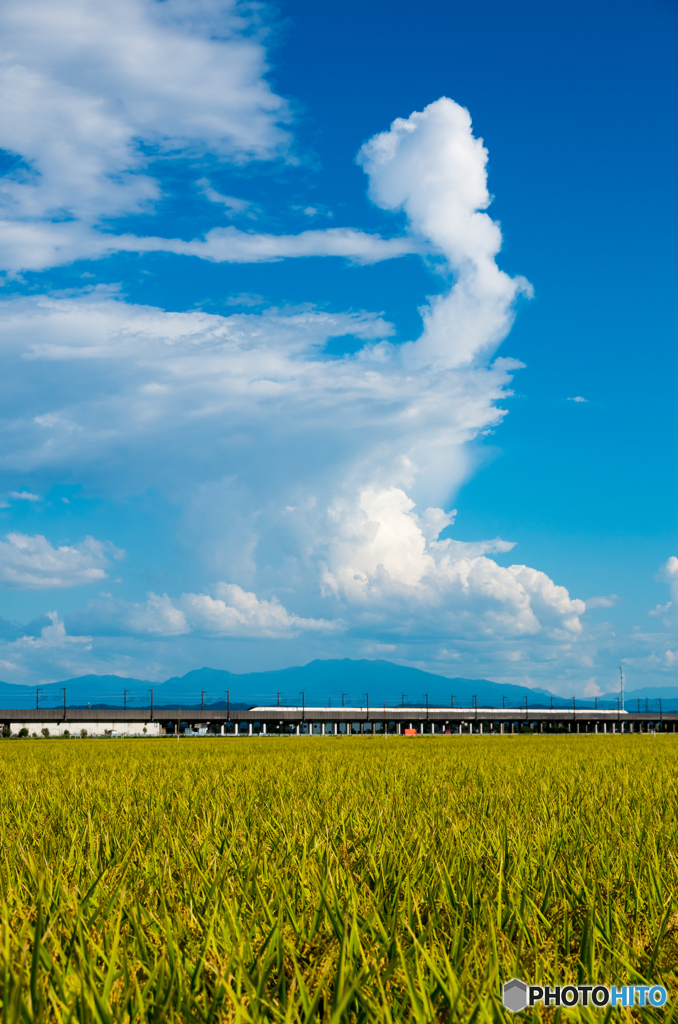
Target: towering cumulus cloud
433,168
313,490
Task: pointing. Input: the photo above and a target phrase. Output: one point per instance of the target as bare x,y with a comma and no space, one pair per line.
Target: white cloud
232,204
87,90
381,561
229,245
661,609
37,246
246,299
52,636
300,474
431,166
668,573
233,612
653,653
31,563
88,81
578,398
24,496
602,602
150,383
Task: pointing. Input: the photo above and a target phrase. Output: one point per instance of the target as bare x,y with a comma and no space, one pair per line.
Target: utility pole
403,696
621,680
452,700
37,697
124,699
342,700
202,700
64,692
151,693
278,696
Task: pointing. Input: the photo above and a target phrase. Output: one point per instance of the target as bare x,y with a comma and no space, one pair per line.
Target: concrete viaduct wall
318,721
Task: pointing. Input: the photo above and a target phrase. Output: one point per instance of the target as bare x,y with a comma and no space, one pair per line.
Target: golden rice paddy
356,879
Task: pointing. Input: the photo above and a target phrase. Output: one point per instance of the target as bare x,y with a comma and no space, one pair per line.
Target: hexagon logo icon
514,995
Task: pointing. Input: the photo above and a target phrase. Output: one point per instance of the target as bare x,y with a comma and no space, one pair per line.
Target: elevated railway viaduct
332,721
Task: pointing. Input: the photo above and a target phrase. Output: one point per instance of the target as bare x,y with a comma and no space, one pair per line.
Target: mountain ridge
315,683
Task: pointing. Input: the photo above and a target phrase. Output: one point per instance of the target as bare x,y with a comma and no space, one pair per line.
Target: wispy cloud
88,91
24,496
232,205
26,245
602,602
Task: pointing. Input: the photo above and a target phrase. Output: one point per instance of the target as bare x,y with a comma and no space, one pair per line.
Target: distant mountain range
320,682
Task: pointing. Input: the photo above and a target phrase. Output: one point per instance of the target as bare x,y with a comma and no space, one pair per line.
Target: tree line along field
364,880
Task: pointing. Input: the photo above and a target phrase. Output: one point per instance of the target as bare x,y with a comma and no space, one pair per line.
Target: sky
339,330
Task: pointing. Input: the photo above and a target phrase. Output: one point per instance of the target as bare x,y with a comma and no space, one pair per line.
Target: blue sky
261,338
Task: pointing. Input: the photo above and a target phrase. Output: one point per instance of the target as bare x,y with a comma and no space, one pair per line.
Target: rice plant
363,880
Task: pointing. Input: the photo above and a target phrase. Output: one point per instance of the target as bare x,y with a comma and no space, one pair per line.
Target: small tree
23,732
66,734
45,732
83,733
6,732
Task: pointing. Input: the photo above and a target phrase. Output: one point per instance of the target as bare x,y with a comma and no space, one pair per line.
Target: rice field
366,880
